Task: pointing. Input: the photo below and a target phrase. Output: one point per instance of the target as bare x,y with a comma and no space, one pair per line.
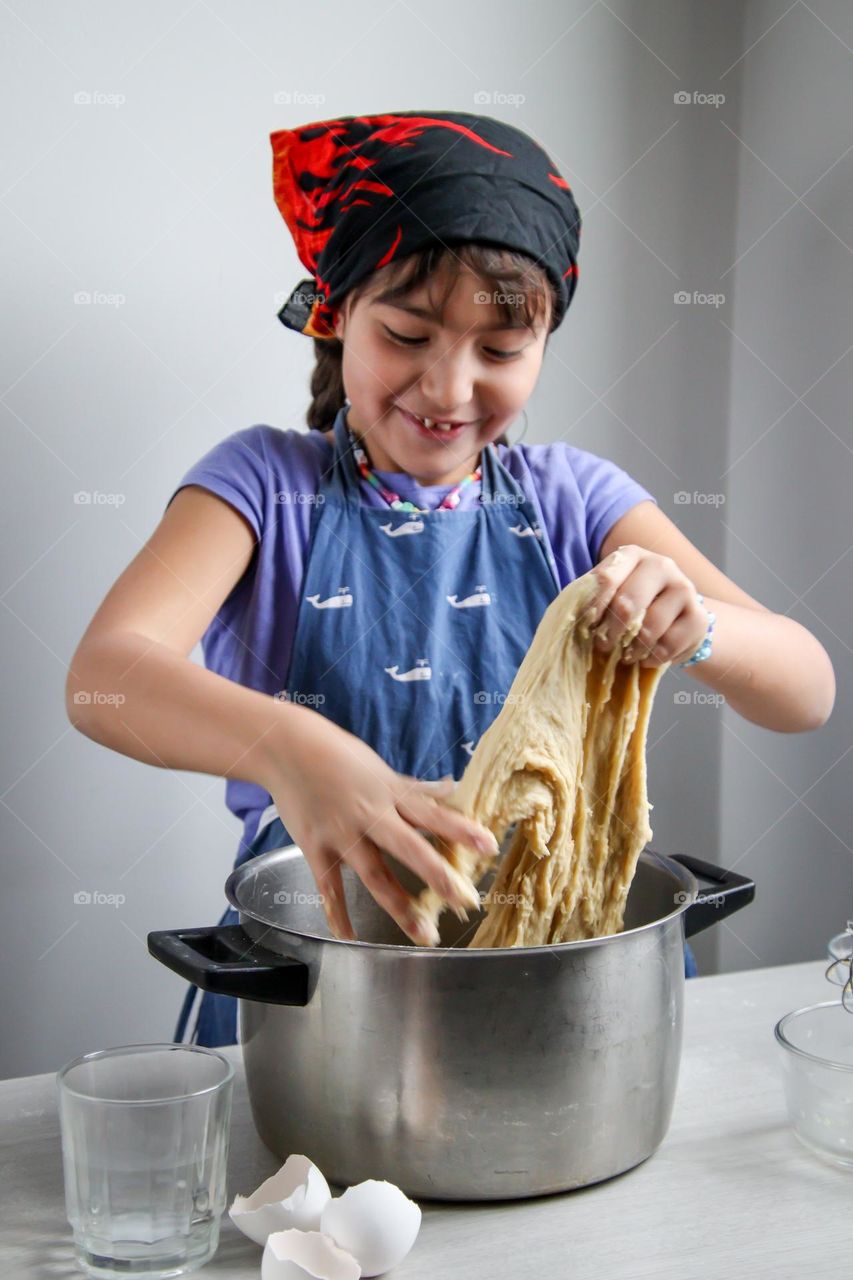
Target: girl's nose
447,385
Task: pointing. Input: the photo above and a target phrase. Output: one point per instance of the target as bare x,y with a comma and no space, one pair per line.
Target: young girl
366,591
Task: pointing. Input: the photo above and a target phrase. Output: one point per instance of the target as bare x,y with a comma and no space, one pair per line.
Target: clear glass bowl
817,1058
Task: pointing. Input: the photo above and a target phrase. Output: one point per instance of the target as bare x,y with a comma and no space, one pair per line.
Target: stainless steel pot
457,1074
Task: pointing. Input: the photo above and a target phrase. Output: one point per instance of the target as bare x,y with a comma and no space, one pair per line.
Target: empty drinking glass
144,1148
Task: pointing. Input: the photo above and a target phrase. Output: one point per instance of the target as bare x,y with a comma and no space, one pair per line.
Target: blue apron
403,617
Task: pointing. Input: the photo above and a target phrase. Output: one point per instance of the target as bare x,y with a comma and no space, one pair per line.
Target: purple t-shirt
271,477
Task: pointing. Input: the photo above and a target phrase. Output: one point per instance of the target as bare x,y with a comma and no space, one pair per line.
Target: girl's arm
769,668
131,685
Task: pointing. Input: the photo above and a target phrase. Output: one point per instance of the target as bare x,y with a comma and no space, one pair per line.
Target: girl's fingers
657,622
366,860
635,596
416,852
610,574
445,821
326,869
681,641
413,788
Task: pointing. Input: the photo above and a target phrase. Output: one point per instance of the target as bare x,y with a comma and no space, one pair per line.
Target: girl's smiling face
464,366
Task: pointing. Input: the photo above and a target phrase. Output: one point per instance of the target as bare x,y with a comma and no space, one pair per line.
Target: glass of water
144,1149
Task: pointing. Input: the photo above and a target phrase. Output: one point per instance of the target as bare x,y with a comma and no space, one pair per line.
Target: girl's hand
633,580
342,803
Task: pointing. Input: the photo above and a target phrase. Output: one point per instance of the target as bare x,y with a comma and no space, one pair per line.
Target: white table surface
729,1194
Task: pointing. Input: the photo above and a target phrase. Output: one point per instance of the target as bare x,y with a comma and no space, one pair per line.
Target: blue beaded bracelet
704,650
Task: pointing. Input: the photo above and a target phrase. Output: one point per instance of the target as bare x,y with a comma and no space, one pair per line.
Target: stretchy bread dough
565,761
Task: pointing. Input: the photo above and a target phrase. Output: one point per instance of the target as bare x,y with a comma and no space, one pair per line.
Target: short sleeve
236,469
580,496
607,493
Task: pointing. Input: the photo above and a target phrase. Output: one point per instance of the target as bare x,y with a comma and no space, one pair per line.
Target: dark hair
526,287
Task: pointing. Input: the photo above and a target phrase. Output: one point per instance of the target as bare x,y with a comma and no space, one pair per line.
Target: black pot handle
224,959
727,893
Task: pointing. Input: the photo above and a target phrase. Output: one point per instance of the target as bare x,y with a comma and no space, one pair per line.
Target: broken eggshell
375,1222
306,1255
294,1197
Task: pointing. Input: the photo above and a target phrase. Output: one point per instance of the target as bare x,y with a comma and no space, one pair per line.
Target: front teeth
442,426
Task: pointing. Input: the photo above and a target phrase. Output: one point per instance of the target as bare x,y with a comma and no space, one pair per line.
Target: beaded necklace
448,502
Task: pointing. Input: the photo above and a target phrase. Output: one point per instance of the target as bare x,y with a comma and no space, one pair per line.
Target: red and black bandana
358,191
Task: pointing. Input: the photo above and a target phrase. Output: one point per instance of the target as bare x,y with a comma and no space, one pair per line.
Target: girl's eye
502,355
398,337
414,342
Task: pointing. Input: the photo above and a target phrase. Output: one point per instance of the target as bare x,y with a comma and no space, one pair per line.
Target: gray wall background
157,188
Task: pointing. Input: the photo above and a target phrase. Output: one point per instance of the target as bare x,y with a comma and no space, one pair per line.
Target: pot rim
690,888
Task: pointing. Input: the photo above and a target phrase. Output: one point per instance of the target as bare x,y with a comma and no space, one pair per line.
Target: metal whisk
840,968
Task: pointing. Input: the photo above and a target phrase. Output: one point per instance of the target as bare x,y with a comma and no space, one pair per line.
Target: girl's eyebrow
434,319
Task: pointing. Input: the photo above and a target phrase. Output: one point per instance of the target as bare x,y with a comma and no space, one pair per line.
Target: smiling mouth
433,429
